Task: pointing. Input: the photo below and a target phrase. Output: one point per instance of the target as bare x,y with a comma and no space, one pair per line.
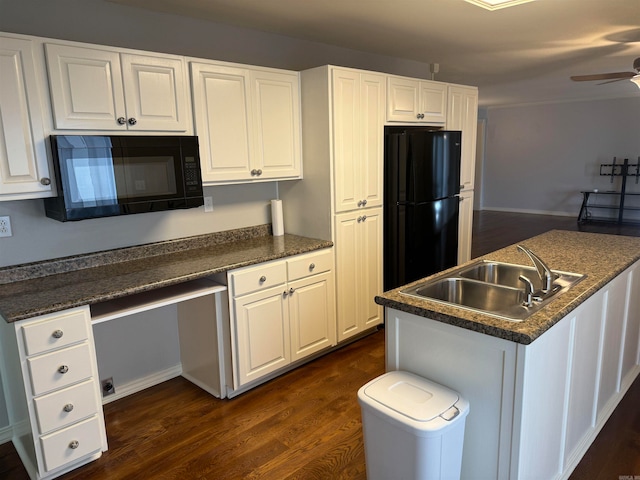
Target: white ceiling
521,54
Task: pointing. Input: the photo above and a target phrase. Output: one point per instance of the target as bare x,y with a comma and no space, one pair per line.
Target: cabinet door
221,110
358,246
262,334
276,101
433,102
371,267
23,156
346,139
155,93
465,226
372,108
347,273
463,115
403,100
312,314
86,88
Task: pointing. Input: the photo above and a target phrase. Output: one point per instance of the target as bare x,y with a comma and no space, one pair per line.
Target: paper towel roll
277,222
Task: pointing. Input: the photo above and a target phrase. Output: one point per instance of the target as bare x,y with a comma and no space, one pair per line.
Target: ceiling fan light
636,80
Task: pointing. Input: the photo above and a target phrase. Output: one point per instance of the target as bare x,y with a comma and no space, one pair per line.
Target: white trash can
413,428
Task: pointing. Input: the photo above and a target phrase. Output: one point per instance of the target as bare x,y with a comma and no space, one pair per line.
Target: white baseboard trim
530,212
142,383
6,434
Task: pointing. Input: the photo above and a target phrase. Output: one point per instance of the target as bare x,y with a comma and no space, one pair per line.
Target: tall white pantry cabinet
343,113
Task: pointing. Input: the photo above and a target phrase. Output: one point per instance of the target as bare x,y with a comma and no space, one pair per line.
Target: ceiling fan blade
602,76
614,80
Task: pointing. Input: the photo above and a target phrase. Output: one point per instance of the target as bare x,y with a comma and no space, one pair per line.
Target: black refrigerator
421,202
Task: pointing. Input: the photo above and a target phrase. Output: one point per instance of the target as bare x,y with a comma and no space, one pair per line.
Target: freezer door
420,240
421,165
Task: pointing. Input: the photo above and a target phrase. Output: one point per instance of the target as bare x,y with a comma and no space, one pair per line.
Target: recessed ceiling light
497,4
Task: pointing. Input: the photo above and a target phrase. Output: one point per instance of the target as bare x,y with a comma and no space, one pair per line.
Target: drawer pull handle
74,444
263,279
57,334
68,407
63,369
312,266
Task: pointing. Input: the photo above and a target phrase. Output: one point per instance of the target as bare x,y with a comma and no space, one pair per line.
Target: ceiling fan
612,77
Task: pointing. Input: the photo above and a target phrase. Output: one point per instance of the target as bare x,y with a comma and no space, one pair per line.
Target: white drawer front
258,278
46,370
64,407
57,446
55,332
310,264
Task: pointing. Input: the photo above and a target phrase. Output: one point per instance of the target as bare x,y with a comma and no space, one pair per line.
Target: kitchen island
541,389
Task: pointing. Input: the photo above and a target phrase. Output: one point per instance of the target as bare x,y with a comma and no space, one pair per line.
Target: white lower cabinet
281,312
57,408
359,270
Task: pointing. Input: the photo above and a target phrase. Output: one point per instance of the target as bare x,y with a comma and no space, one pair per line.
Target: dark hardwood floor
306,423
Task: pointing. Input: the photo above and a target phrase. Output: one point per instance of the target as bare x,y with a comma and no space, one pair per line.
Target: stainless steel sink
508,274
493,288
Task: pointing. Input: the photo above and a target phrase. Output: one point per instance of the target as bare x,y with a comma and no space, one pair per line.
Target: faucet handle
528,290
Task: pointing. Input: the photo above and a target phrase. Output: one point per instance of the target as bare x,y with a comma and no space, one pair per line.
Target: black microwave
107,175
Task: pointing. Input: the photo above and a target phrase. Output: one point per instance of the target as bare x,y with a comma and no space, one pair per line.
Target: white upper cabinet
247,121
358,109
463,115
412,100
24,171
96,89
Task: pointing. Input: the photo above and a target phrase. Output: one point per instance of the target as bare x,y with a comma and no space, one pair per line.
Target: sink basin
508,274
492,288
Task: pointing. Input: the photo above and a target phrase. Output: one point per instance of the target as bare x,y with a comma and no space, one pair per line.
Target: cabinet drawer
56,331
51,409
258,278
46,370
57,447
310,264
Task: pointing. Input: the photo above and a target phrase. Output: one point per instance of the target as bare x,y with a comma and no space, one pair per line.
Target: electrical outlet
108,387
5,227
208,204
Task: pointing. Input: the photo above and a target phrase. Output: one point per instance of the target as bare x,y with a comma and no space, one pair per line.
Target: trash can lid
410,395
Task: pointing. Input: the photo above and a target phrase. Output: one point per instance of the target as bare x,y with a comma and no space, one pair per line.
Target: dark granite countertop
600,257
45,287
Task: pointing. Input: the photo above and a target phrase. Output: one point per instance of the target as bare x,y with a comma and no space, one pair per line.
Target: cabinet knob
259,172
359,203
359,219
291,290
364,217
57,333
254,172
263,279
312,266
74,444
121,121
45,181
364,202
68,407
132,121
284,294
420,115
63,369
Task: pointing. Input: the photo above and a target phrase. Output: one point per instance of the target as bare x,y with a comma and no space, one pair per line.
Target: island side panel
480,367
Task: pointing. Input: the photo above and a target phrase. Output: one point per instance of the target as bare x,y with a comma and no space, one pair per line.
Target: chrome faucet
544,272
